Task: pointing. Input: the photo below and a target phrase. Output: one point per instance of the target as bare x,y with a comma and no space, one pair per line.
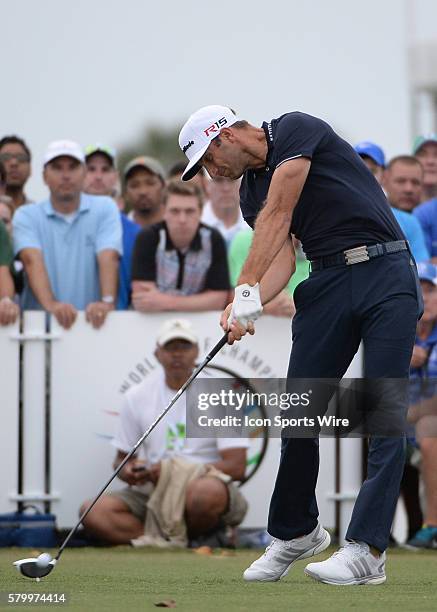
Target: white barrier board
92,369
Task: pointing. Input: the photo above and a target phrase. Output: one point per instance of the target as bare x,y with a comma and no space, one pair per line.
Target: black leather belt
359,254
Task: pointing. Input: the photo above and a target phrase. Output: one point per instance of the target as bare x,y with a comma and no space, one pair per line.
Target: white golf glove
246,305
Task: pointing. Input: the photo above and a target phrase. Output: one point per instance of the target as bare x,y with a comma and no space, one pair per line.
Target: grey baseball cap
149,163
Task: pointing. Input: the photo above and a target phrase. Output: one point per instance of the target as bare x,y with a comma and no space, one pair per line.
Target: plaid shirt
183,273
202,266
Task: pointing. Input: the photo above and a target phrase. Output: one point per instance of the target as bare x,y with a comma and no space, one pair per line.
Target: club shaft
195,373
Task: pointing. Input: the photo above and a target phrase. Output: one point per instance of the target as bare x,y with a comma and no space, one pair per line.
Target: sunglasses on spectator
21,158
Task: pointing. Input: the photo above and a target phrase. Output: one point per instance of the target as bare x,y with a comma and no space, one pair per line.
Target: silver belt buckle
356,255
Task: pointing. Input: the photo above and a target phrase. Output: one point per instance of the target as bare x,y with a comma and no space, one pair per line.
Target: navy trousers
377,302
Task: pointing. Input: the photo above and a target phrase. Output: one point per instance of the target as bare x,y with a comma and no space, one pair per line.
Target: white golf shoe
352,564
281,554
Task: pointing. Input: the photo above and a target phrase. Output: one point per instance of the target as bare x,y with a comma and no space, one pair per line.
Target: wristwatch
108,299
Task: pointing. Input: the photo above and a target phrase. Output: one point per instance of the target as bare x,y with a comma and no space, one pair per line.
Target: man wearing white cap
69,244
209,497
299,177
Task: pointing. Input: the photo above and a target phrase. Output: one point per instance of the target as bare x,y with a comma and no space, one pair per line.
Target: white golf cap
202,127
58,148
176,329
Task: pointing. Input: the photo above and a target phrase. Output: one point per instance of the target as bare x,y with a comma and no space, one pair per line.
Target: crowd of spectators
139,238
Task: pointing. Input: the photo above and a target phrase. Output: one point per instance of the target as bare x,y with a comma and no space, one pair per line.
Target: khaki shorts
137,500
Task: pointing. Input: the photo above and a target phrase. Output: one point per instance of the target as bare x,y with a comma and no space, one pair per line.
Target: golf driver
42,566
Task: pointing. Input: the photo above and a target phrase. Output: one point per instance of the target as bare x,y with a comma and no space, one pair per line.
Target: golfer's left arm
277,276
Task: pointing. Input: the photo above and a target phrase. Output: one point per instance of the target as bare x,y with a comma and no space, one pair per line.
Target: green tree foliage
155,141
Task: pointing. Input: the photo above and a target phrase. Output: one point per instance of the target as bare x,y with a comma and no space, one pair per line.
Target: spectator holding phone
208,466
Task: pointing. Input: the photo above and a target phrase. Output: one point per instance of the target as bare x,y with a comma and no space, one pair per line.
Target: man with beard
144,181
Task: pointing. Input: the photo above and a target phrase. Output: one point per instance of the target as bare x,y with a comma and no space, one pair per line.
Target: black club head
31,569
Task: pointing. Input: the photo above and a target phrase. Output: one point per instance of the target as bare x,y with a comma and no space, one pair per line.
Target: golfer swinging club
301,178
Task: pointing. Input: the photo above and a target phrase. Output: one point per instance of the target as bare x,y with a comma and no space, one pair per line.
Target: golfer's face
223,159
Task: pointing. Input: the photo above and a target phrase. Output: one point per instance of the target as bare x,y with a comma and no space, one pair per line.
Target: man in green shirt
283,304
8,309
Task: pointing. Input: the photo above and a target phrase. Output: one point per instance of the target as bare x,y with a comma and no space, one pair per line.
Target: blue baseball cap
372,150
427,272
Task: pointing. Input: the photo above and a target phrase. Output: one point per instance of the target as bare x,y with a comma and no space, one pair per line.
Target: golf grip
213,352
220,344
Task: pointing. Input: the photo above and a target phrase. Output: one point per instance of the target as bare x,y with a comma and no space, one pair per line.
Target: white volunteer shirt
228,233
142,405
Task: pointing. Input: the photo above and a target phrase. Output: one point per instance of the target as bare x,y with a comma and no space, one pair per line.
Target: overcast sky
100,70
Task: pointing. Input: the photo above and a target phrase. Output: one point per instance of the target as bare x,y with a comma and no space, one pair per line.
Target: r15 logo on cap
216,126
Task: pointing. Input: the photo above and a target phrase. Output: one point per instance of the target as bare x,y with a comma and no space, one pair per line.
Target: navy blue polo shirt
341,205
